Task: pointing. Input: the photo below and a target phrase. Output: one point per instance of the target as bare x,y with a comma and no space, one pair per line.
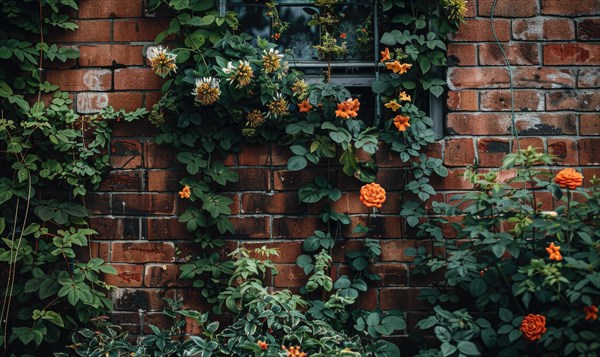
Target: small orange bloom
185,192
398,67
401,122
554,252
385,55
304,106
591,312
276,36
348,109
404,97
569,178
393,105
533,326
294,351
372,195
343,36
262,345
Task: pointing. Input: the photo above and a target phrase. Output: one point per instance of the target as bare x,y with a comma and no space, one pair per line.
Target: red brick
128,276
588,78
165,180
97,203
350,203
386,157
460,78
126,154
163,275
517,53
285,180
166,229
134,128
572,54
402,299
252,227
109,228
568,7
546,124
589,124
565,150
123,181
588,174
391,274
137,78
534,142
295,227
129,321
142,252
143,299
589,151
93,102
479,124
500,100
151,98
454,181
110,55
540,28
463,100
461,54
139,29
491,151
254,155
80,80
387,178
459,152
575,100
544,77
588,29
158,156
289,276
251,179
141,204
508,8
97,250
476,30
87,31
288,251
109,8
272,203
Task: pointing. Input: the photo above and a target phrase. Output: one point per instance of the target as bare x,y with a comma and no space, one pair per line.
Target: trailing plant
531,270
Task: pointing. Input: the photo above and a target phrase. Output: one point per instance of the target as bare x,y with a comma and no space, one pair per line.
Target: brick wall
552,45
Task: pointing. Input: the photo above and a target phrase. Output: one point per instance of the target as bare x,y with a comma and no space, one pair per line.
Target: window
356,70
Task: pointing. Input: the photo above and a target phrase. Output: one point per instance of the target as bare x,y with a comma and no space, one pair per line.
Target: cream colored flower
241,74
162,61
255,118
271,60
207,90
278,106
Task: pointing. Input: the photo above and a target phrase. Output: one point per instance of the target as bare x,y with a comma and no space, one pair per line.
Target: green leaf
296,163
468,348
505,314
54,318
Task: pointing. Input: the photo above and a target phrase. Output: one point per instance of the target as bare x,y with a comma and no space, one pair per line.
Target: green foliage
500,257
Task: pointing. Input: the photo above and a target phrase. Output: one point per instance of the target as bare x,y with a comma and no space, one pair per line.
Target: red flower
591,312
533,326
343,35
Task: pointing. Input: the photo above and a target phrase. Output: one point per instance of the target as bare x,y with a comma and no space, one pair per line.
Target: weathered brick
129,321
110,228
517,54
81,80
251,179
459,152
93,102
143,299
540,28
163,275
476,30
151,98
500,100
491,151
461,54
158,156
165,180
479,124
254,155
119,180
463,100
87,31
589,151
139,29
387,178
525,142
96,250
255,227
454,181
572,54
97,203
289,276
402,299
508,8
460,78
567,7
110,55
295,227
288,251
136,128
142,204
142,252
589,124
137,78
126,154
588,29
544,77
272,203
546,123
524,77
565,150
166,229
586,101
391,274
589,78
103,9
128,276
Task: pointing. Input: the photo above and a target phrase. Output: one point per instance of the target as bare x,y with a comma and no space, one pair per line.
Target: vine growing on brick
50,157
225,88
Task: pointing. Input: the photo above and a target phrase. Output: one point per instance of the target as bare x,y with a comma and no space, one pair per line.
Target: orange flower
294,351
554,252
591,312
385,55
372,195
404,97
393,105
569,178
343,35
262,345
401,122
304,106
185,192
348,109
398,67
533,326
